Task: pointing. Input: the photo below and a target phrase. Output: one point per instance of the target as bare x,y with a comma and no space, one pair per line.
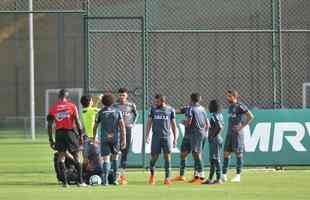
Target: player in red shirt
66,118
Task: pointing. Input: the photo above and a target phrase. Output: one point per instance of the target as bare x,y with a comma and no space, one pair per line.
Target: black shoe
208,182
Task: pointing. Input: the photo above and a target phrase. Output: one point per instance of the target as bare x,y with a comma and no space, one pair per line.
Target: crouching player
112,135
215,142
161,118
238,118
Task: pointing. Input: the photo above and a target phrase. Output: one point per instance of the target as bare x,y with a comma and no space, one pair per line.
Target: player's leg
185,149
60,146
155,151
197,146
105,163
238,150
166,146
114,158
227,151
73,148
212,161
124,156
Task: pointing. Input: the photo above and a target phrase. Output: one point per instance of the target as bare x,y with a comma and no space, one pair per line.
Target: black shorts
67,140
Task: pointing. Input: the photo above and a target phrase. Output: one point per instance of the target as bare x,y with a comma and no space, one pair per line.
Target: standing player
198,123
238,117
88,116
161,118
112,135
66,118
215,141
130,115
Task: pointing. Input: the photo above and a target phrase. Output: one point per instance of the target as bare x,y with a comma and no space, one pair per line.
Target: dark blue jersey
161,121
216,125
198,117
108,119
235,115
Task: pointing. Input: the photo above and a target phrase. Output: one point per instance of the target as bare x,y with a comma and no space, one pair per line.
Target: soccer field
26,173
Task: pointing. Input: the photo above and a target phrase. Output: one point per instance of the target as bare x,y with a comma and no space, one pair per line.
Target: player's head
214,106
86,101
107,100
232,96
63,94
195,98
160,100
123,94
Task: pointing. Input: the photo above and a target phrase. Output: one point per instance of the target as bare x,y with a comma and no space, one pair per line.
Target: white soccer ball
95,180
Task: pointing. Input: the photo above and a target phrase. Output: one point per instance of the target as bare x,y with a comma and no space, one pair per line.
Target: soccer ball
95,180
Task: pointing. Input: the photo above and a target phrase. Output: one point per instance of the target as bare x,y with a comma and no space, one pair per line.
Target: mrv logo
263,139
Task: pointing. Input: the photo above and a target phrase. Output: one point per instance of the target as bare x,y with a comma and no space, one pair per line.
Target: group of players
110,128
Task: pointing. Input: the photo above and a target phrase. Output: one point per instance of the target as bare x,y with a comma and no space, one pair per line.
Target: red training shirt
64,113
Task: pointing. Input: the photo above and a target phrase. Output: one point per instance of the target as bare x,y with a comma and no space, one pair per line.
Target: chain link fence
259,47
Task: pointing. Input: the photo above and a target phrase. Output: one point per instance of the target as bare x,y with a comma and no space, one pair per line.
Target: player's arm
174,132
50,121
79,125
248,118
121,126
148,129
219,126
97,121
135,113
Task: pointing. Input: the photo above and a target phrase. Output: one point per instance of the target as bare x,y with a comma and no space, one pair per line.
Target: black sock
218,169
62,171
79,170
212,169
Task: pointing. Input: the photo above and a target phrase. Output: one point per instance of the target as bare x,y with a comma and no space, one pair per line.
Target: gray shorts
108,148
234,142
186,144
160,144
197,141
215,148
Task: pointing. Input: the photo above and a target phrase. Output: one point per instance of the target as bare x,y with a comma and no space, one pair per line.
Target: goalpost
51,96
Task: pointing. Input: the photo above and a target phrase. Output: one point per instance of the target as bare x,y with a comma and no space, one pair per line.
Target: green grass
26,173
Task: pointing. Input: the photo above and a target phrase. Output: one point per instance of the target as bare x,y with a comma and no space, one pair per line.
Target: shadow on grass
28,183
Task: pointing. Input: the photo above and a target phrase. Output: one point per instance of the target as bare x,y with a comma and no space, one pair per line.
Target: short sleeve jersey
161,121
235,115
198,116
64,114
108,119
129,112
88,116
216,124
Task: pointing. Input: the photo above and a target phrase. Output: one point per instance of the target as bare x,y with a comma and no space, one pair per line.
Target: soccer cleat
198,181
208,182
179,178
237,179
65,185
82,185
219,181
224,178
167,181
194,179
122,180
152,180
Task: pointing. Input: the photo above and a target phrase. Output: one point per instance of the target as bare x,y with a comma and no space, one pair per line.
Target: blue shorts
197,140
160,144
215,148
234,142
186,144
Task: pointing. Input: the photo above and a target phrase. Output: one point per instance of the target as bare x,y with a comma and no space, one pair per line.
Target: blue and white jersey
161,121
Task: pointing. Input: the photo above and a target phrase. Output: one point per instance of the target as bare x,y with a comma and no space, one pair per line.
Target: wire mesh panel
42,5
296,66
115,57
211,63
116,8
209,14
295,14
